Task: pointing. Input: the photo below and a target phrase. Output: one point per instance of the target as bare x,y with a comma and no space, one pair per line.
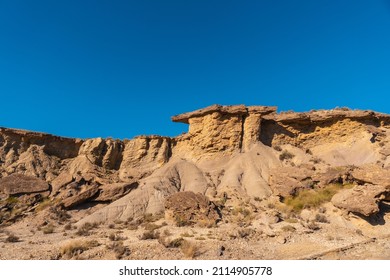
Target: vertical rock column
252,125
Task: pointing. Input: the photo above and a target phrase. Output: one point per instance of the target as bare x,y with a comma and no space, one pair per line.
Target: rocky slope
245,166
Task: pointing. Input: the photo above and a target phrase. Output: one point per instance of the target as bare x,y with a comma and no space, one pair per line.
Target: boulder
79,198
187,208
372,174
22,184
112,192
286,181
361,199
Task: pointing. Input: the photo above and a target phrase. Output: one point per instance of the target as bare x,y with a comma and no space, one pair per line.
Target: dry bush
170,243
116,237
119,249
245,232
76,247
313,198
189,249
313,226
277,148
321,218
11,238
68,226
48,229
286,155
150,234
288,228
85,229
151,226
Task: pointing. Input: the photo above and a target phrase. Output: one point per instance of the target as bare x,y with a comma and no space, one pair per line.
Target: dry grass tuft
313,198
76,247
189,249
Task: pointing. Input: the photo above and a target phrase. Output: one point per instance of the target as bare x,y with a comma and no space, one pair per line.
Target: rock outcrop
230,153
361,199
187,208
17,184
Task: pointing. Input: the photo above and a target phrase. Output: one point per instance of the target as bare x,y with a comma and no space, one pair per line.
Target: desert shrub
119,249
189,249
76,247
170,243
291,220
152,226
48,229
68,226
116,237
45,203
12,200
150,234
277,148
85,229
288,228
321,218
313,226
182,222
245,232
313,198
286,155
11,238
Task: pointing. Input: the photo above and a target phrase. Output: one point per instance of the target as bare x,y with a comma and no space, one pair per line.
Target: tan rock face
22,184
220,130
143,155
232,152
361,199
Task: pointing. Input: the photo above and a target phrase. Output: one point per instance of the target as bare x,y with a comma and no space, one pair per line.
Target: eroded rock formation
230,153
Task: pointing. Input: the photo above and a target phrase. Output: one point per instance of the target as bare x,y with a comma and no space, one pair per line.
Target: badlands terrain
243,183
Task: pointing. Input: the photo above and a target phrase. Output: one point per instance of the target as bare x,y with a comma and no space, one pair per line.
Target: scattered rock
186,208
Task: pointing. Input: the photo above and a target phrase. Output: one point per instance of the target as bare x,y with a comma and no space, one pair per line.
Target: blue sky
123,68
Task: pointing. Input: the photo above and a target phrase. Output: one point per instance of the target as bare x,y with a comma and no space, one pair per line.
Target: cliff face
233,152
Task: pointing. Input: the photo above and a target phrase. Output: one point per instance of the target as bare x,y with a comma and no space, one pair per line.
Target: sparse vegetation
48,229
285,155
12,200
45,203
151,226
313,198
277,148
245,232
85,229
170,243
150,234
189,249
68,226
76,247
288,228
116,237
119,249
321,218
12,238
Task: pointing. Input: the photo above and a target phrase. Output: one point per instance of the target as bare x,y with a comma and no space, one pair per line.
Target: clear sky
83,68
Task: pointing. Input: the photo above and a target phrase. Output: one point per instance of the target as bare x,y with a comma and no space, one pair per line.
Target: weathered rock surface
112,192
231,153
186,208
372,174
80,198
22,184
361,199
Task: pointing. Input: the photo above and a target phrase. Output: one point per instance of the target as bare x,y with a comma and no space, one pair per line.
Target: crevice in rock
240,145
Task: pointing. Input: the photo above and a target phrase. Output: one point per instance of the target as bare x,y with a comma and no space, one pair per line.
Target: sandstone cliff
233,154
